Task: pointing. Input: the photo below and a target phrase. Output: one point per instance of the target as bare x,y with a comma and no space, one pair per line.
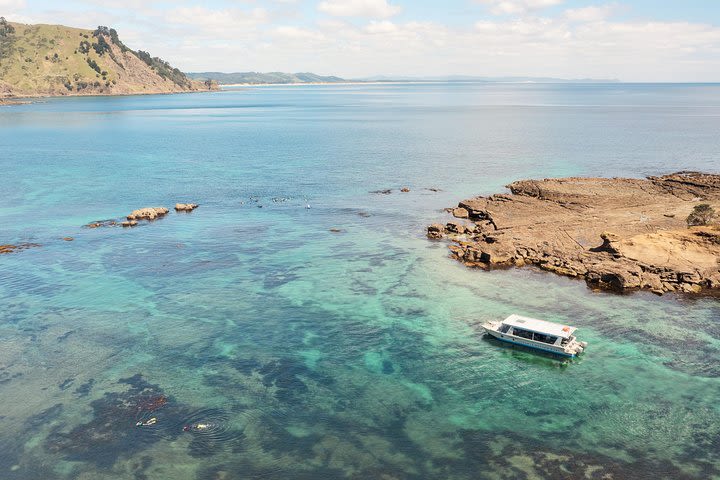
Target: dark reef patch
84,389
556,463
45,417
112,431
66,383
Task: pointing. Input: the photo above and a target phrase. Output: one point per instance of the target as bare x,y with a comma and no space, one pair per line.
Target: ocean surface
298,326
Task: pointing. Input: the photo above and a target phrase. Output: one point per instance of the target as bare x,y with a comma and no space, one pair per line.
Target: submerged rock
16,248
101,223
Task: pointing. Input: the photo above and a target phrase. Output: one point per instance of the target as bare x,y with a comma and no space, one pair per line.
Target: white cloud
214,20
10,6
518,7
589,14
359,8
298,33
383,26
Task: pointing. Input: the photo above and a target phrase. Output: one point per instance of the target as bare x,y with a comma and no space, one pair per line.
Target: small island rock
185,207
148,213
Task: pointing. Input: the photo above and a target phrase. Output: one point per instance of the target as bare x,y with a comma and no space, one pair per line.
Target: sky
630,40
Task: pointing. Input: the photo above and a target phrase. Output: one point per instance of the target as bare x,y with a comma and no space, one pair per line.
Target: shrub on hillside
93,64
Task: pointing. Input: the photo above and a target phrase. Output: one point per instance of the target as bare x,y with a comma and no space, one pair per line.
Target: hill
37,60
256,78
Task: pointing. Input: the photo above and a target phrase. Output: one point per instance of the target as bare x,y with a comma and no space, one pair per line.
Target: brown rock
610,243
185,207
436,230
495,255
458,228
148,213
460,212
405,189
129,223
68,239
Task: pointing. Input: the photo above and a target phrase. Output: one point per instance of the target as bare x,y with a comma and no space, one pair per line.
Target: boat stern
576,348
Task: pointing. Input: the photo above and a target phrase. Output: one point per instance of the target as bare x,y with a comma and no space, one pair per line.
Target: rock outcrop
185,207
615,233
148,213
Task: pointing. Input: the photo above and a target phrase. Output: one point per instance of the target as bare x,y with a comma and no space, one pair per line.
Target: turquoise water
309,353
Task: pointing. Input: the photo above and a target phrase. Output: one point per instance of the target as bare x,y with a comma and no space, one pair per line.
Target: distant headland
658,234
281,78
271,78
44,60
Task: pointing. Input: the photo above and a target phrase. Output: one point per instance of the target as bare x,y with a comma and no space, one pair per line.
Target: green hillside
59,60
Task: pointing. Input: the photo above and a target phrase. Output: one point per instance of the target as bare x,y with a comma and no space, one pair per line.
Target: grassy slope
46,59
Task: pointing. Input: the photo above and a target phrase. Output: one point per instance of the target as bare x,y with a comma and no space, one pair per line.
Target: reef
615,233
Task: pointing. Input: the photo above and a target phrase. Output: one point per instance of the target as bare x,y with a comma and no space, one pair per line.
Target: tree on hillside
702,214
5,28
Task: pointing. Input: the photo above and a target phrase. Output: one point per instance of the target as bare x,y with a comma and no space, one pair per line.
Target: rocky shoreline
615,233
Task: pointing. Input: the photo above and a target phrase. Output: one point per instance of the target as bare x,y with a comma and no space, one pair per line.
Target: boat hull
528,343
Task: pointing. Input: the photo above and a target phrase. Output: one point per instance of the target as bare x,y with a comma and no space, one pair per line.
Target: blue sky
633,40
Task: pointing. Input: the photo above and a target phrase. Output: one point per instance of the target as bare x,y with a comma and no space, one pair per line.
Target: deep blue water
310,353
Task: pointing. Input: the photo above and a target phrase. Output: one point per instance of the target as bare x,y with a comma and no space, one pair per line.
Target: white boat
538,334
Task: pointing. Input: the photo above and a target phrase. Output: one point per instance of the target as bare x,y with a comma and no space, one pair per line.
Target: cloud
589,14
383,26
517,7
298,33
217,20
359,8
540,41
11,5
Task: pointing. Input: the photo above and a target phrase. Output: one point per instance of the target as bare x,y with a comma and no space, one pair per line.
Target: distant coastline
307,78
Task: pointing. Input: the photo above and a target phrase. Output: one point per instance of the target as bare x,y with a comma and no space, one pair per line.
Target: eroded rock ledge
615,233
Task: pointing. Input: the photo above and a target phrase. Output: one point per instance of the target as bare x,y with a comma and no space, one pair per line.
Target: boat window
522,333
541,337
504,328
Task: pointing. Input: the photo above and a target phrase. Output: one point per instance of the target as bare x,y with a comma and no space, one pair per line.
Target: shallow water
307,353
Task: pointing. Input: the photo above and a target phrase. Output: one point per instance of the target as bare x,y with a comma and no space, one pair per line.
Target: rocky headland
615,233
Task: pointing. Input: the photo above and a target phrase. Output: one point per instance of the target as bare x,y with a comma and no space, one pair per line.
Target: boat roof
539,326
